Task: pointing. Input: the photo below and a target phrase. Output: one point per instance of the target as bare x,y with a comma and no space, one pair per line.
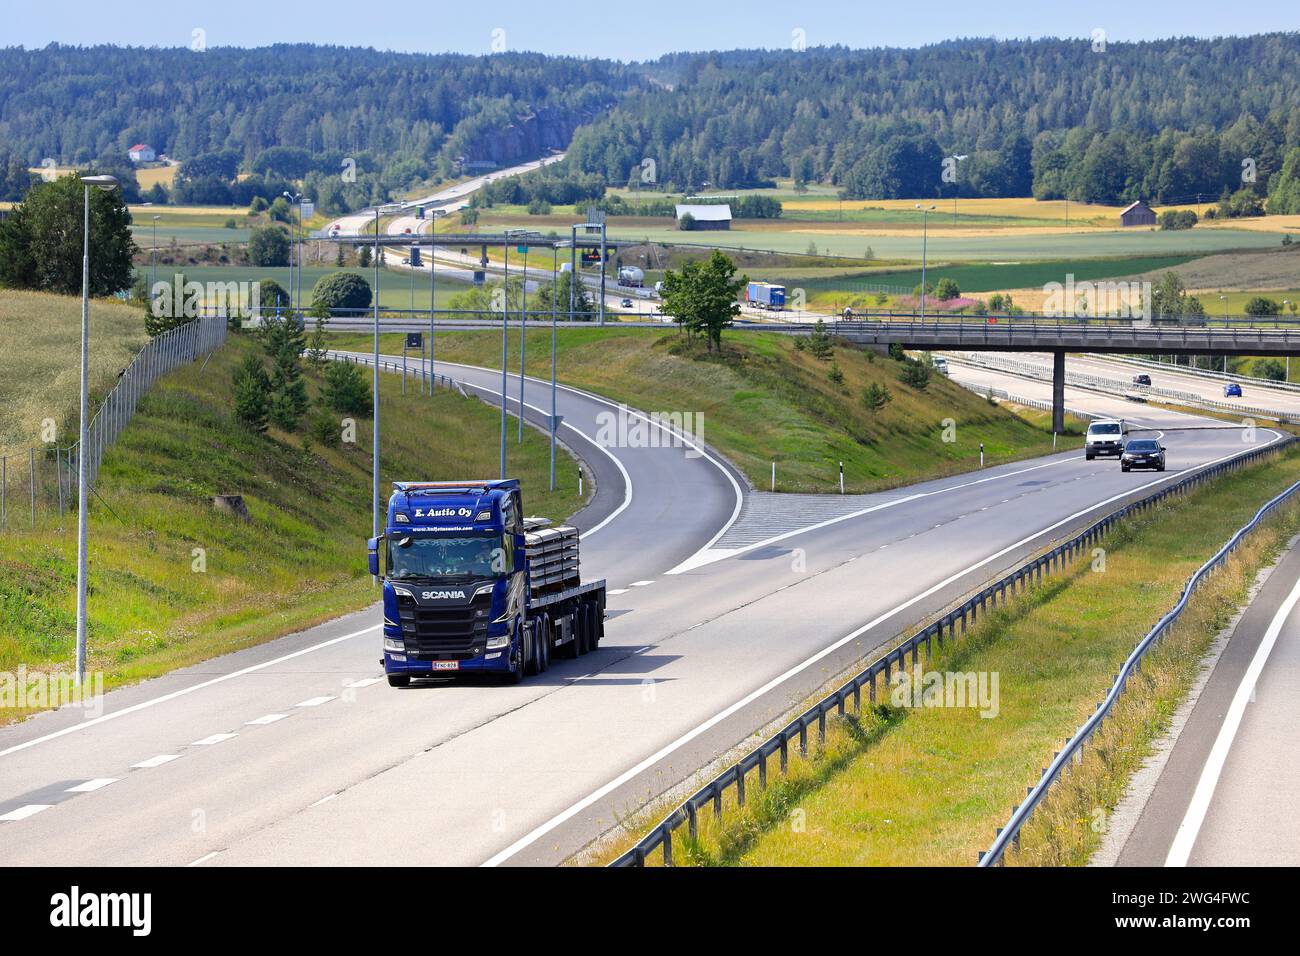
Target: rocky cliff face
527,137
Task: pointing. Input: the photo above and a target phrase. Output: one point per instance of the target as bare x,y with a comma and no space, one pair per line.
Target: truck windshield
429,556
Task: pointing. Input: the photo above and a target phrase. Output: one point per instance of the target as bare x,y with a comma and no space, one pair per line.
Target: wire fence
43,480
951,625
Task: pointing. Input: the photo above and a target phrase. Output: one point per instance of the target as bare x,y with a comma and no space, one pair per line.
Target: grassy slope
299,561
764,400
40,335
929,786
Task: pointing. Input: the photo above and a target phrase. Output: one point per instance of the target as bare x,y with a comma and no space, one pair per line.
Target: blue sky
624,29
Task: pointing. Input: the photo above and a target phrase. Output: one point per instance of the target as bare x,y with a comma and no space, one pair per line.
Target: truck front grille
443,633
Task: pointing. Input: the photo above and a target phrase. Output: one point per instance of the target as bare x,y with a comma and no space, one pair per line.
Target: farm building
1138,214
707,215
141,153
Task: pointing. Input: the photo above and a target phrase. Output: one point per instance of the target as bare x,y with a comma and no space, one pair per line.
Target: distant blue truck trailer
764,295
472,586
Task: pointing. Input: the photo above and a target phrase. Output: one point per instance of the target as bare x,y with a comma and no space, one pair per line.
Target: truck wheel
516,672
399,680
535,650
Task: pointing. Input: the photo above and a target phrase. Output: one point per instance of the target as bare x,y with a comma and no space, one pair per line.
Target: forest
1170,121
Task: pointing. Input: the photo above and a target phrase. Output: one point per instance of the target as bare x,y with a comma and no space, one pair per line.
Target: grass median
173,582
929,785
763,400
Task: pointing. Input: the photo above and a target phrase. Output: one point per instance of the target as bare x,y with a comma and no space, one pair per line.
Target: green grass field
299,561
762,400
40,343
928,786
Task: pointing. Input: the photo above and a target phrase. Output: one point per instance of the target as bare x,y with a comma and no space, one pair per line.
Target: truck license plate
446,665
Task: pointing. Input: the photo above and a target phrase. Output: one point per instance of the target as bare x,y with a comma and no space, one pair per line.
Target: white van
1105,437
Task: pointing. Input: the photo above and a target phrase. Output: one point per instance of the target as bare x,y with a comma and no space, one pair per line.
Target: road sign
415,340
522,249
307,209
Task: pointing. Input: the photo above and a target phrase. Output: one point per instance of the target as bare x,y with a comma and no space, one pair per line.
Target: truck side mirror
372,546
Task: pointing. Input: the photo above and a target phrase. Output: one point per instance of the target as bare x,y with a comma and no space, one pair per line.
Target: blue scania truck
471,586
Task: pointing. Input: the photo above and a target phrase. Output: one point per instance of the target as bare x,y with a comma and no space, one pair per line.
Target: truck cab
459,594
454,577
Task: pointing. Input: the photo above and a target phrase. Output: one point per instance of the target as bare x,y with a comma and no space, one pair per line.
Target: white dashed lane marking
22,813
364,682
616,591
90,786
268,719
640,584
214,739
314,701
157,761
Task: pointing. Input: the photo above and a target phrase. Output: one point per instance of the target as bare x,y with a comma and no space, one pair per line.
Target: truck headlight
496,643
394,645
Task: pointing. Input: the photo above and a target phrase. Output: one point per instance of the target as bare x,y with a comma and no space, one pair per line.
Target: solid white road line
90,786
134,708
22,813
678,435
632,772
315,701
1185,839
268,719
157,761
213,739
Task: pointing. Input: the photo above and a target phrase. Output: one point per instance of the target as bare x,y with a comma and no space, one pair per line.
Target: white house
141,153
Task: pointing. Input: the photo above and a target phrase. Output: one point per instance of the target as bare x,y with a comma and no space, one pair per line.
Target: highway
726,607
1202,387
1232,767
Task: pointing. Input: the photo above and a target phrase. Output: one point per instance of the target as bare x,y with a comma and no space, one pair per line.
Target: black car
1143,453
1143,379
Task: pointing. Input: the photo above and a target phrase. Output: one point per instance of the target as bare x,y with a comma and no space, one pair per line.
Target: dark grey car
1143,453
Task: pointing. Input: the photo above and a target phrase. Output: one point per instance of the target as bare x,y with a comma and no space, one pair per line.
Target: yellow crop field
148,176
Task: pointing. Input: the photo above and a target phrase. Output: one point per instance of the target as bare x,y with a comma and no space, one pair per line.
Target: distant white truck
631,276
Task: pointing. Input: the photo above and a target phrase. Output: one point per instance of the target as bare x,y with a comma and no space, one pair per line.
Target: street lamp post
108,184
374,463
925,218
154,253
555,258
296,255
505,342
433,288
523,343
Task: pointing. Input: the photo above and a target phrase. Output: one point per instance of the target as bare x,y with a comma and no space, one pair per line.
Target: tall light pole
108,184
523,343
555,258
374,464
154,253
925,218
297,252
505,342
1286,304
433,287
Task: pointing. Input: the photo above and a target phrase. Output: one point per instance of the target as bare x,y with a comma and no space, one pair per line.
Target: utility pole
925,217
523,344
555,258
505,342
433,288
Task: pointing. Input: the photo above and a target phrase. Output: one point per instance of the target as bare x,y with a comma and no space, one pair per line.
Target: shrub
252,387
915,375
876,396
1260,306
342,290
346,388
836,374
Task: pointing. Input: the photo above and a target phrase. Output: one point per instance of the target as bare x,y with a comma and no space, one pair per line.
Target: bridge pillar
1058,390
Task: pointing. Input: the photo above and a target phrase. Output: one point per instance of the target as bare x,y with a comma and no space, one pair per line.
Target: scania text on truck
471,586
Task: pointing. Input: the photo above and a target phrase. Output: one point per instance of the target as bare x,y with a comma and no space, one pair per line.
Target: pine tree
285,342
252,394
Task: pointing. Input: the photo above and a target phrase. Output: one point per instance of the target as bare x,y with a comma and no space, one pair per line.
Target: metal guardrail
952,625
160,355
1209,373
417,373
1118,388
1009,835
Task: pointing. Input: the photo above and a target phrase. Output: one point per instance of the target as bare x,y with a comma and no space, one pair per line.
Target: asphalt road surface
297,752
1229,788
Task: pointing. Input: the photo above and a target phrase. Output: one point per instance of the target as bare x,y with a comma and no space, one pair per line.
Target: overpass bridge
1170,336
